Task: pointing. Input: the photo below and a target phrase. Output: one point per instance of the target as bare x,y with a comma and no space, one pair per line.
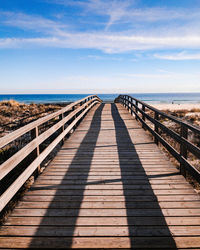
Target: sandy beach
187,111
173,107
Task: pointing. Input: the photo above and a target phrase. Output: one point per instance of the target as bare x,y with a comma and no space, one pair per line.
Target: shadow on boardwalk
135,221
88,144
125,143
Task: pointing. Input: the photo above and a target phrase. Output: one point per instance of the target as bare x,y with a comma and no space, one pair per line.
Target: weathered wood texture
72,119
109,187
132,104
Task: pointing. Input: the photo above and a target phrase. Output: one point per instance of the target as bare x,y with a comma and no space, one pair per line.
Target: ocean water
150,98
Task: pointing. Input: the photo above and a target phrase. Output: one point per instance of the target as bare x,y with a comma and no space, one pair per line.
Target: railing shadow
138,219
88,144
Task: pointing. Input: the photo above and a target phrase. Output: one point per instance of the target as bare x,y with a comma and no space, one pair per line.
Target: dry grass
14,115
192,116
194,110
10,103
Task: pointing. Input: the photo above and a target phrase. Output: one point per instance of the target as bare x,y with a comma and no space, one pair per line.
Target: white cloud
127,12
115,10
31,22
119,83
113,43
178,56
57,34
100,58
129,9
161,76
132,83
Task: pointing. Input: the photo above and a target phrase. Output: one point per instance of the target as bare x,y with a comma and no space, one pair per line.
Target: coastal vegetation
191,116
14,115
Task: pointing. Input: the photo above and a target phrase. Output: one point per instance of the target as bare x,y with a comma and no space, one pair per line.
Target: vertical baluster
156,129
136,109
131,106
61,116
36,152
183,149
128,103
74,117
143,115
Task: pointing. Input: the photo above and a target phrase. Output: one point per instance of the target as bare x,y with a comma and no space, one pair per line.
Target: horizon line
95,93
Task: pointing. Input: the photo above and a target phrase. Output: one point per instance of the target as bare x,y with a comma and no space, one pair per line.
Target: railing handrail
70,119
185,145
19,132
172,118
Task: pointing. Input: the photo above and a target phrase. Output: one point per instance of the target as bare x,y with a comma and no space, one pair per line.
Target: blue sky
99,46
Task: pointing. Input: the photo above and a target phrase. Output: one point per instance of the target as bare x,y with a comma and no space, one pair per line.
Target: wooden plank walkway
109,186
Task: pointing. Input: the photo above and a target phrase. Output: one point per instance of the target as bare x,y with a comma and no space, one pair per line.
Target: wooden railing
142,111
64,121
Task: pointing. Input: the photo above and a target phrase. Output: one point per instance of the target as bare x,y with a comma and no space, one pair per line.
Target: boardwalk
109,186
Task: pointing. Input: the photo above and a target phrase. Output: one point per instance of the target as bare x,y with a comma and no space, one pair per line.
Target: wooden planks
11,163
181,138
108,187
21,179
104,242
87,231
19,132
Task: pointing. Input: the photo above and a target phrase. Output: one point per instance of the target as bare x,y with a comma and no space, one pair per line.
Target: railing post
36,152
84,103
61,116
136,109
128,103
143,115
131,106
156,117
183,149
74,117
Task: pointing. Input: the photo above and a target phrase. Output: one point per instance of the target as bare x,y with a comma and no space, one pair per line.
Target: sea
150,98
